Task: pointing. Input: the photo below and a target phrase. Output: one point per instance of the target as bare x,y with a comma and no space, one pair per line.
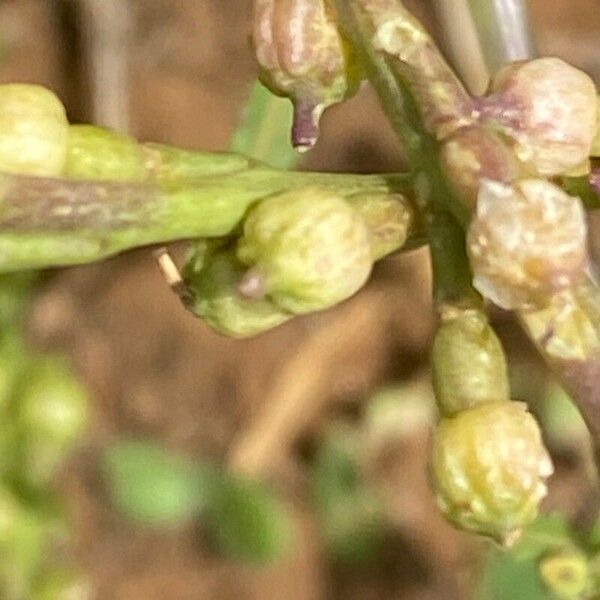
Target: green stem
55,222
445,216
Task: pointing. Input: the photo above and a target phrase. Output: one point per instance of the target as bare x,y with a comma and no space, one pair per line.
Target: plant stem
55,222
445,216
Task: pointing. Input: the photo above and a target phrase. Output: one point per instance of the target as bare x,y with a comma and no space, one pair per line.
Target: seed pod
33,131
94,153
213,284
548,108
473,154
309,249
489,467
303,57
566,574
526,242
469,367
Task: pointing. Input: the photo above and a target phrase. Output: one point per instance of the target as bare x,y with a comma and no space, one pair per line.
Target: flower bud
566,574
303,57
96,154
33,131
473,154
213,283
548,109
469,367
309,248
387,219
526,242
489,467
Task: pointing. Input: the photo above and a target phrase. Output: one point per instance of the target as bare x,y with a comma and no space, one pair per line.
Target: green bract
33,130
489,468
98,154
213,282
468,362
309,247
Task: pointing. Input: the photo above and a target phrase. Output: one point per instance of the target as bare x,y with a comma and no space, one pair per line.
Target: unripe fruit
33,131
526,242
473,154
469,367
309,247
548,108
303,57
489,467
94,153
213,285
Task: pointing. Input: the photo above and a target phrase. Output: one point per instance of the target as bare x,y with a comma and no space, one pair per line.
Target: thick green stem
445,216
52,222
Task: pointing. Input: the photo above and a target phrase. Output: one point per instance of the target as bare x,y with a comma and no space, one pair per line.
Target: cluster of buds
299,252
489,463
303,57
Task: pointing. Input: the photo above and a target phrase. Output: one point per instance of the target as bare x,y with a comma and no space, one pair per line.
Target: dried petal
526,242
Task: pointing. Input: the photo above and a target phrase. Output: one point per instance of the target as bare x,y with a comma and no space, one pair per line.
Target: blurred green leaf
264,133
153,486
508,578
248,521
351,514
514,574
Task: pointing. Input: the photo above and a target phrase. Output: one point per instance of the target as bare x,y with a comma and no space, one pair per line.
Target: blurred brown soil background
156,372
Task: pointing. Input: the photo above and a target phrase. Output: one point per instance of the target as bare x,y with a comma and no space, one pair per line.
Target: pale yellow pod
33,130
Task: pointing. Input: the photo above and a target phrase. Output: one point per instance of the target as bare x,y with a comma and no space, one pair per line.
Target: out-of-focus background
266,406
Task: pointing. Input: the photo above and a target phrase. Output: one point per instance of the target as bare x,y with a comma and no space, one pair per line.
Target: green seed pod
489,467
475,153
469,367
386,218
213,284
303,57
308,249
527,242
97,154
566,574
548,108
33,131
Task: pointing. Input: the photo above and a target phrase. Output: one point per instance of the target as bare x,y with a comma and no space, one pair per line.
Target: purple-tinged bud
475,153
303,57
526,242
549,110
